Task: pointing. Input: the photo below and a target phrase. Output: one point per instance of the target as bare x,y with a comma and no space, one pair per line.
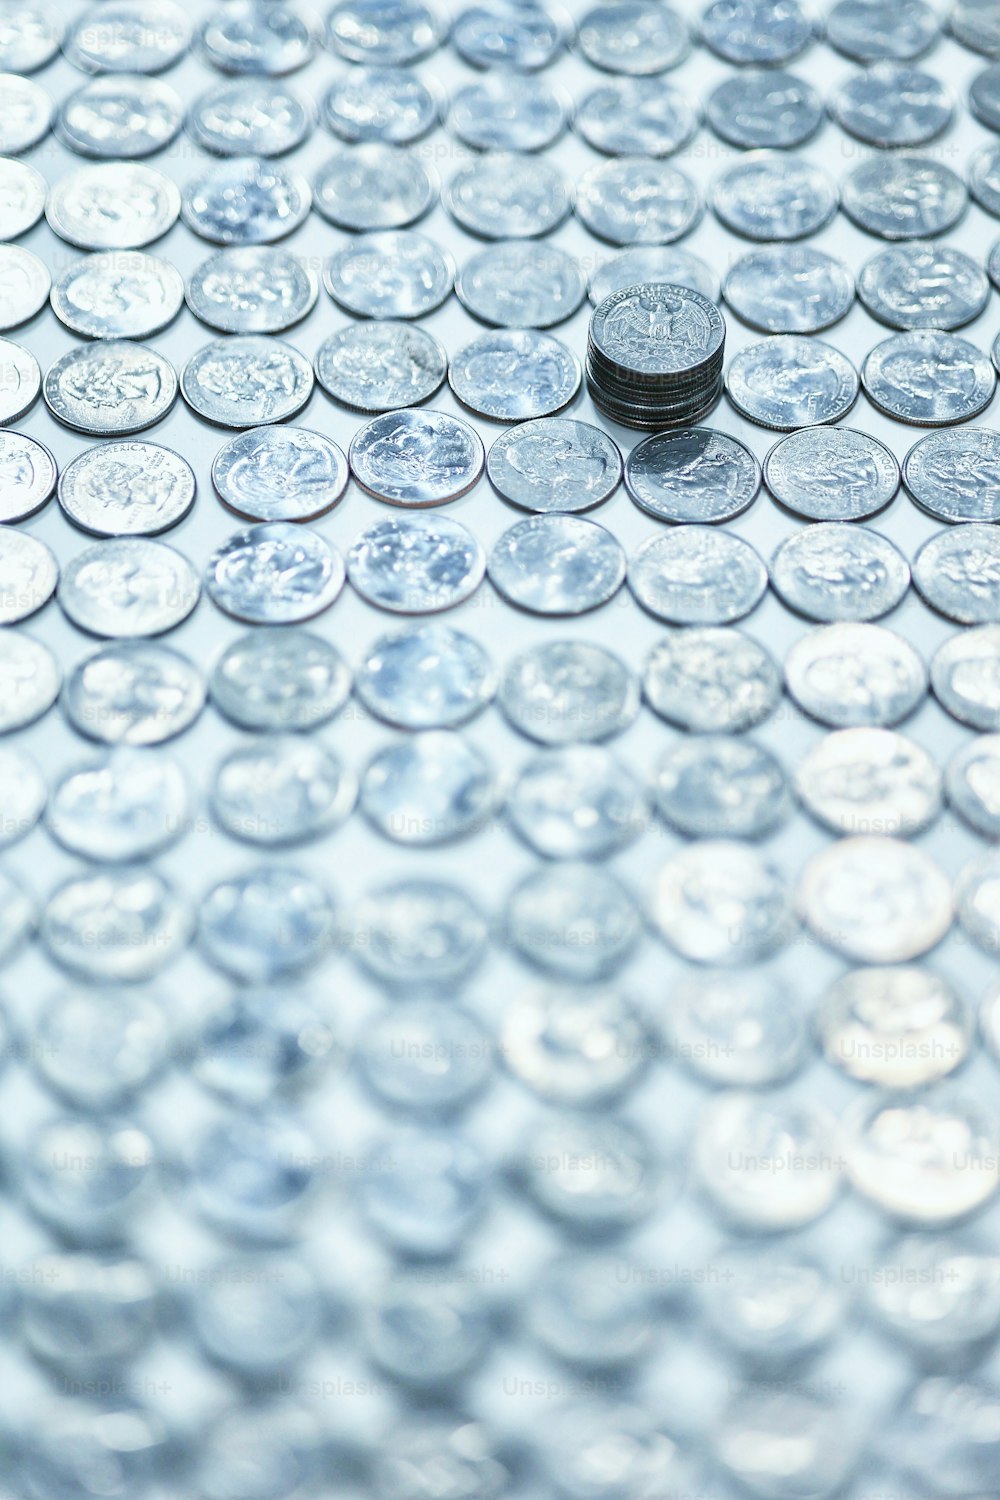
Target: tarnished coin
126,805
391,274
274,574
756,31
30,37
766,195
251,117
636,117
790,381
565,691
22,196
711,786
375,367
831,474
112,206
428,789
25,113
128,587
128,36
554,464
416,932
245,201
112,387
929,379
384,31
116,925
389,104
984,178
280,678
901,197
578,802
416,564
649,264
280,474
557,565
955,475
868,30
984,97
426,677
28,575
972,784
573,920
855,675
764,109
633,201
24,285
509,112
20,382
711,680
837,571
27,476
697,575
521,285
247,381
133,693
876,900
923,286
519,35
118,294
965,676
247,36
974,23
895,1027
374,186
503,195
281,790
718,902
252,289
957,572
120,117
869,781
697,475
126,489
29,680
634,37
890,104
23,795
514,374
416,458
789,289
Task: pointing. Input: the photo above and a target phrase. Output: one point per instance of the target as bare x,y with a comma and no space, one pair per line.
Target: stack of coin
654,355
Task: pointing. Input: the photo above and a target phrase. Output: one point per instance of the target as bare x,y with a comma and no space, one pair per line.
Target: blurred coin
831,474
633,37
254,289
839,572
923,286
566,691
519,35
513,374
557,565
963,1312
374,186
954,475
266,923
251,117
972,784
974,24
126,488
575,921
792,1175
632,201
957,572
417,933
697,575
712,786
416,564
426,677
128,36
28,575
868,30
428,789
984,97
636,117
280,790
929,379
890,104
116,924
245,200
25,113
110,388
717,901
247,36
384,31
133,693
849,675
280,474
869,781
276,573
118,295
388,104
574,1049
112,206
789,289
392,274
965,676
577,802
790,381
128,586
126,805
375,367
24,285
977,902
766,109
247,381
27,476
508,112
711,679
756,31
23,794
697,475
902,197
416,457
554,464
897,1027
924,1158
120,117
521,285
984,178
766,195
875,900
504,195
20,381
280,678
31,35
772,1307
425,1054
649,264
22,196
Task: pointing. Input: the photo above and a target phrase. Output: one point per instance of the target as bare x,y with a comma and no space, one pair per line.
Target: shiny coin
851,674
769,196
417,932
274,574
22,795
789,289
245,201
128,36
972,784
984,97
20,381
416,457
281,790
416,564
128,587
923,286
253,289
792,1176
112,206
133,693
557,565
577,1050
31,35
899,1028
427,677
380,104
974,24
24,285
697,475
280,678
252,117
554,464
766,109
25,114
869,781
120,117
247,381
567,691
514,374
903,197
649,264
27,476
110,388
875,900
965,676
374,186
29,680
836,571
576,803
929,379
269,922
376,367
714,786
503,195
384,31
633,201
428,789
977,902
393,274
789,381
889,104
868,30
22,196
127,805
575,921
636,117
635,37
718,902
697,575
280,474
954,475
957,572
118,295
519,285
246,36
756,31
126,489
119,925
508,112
984,178
711,680
522,36
831,474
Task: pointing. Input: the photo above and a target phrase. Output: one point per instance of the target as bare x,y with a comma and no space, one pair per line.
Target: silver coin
27,476
868,30
633,37
251,117
428,789
718,902
29,680
252,289
257,1046
375,367
789,381
577,802
789,289
574,921
384,31
269,922
575,1050
984,97
280,678
374,186
972,784
831,474
128,36
519,35
928,379
128,587
875,900
636,117
764,109
126,489
247,36
521,285
711,680
127,805
716,786
890,104
120,117
566,691
808,1306
974,24
118,295
133,693
793,1176
965,1312
277,573
99,1051
509,112
632,201
901,197
387,104
976,902
855,675
594,1173
504,195
416,458
965,676
22,196
957,572
954,475
23,792
425,1055
557,565
280,474
426,677
414,933
766,195
416,564
281,790
923,286
865,781
515,374
697,575
20,381
984,178
25,114
391,274
697,475
554,464
24,285
116,924
30,36
112,387
247,381
245,201
112,206
838,571
899,1028
756,31
650,264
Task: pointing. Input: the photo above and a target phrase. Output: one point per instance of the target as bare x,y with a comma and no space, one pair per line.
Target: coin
25,114
128,36
247,381
251,117
890,104
557,565
259,1045
793,1176
875,900
381,366
522,36
719,902
789,381
280,678
280,474
391,274
28,575
896,1027
698,475
839,571
866,781
24,285
252,289
246,36
869,30
514,374
632,201
384,31
386,104
972,784
789,289
428,789
564,691
397,1059
133,693
976,902
126,489
374,186
653,263
984,97
766,195
716,786
112,387
245,201
697,575
575,921
99,1051
554,464
635,37
23,795
31,36
281,790
503,195
901,197
120,117
22,196
654,355
277,573
416,564
126,805
755,31
29,680
711,679
577,802
118,295
764,109
636,117
521,285
115,925
20,381
953,475
128,587
417,932
112,206
966,680
266,923
425,677
974,24
27,476
580,1051
509,112
855,675
923,286
957,572
929,379
416,457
